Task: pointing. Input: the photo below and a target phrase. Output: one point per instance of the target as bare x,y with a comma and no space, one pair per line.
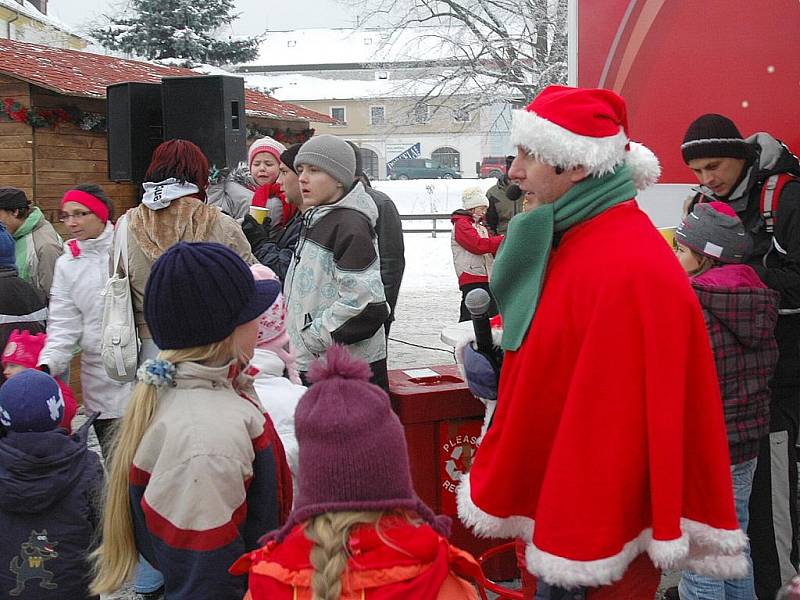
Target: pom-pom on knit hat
31,401
199,292
353,454
265,144
713,229
473,197
23,348
569,127
714,136
330,154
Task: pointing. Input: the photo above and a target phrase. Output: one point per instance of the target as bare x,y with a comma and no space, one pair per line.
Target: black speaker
134,128
209,111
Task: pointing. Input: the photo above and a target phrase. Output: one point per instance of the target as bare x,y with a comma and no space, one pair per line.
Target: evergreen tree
158,29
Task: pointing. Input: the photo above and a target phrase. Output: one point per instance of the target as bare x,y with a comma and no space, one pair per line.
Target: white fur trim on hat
473,197
557,146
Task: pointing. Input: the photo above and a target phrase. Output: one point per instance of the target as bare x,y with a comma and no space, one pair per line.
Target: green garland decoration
50,117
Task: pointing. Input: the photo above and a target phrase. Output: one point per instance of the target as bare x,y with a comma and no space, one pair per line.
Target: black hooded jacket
778,268
50,487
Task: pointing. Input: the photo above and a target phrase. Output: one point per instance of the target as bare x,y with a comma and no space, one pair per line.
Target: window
421,113
369,162
461,115
449,157
338,113
377,115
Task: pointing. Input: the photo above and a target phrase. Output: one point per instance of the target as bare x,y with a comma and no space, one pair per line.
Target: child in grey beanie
330,154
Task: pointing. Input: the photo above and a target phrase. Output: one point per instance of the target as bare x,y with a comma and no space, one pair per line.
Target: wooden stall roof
83,74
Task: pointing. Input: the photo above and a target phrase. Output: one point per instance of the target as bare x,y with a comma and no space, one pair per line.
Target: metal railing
429,217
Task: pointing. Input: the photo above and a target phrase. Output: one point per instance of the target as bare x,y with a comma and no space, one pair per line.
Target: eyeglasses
79,214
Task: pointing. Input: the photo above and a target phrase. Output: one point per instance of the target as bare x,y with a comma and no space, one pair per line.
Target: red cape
609,434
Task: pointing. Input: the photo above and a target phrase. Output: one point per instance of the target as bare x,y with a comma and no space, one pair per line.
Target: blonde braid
330,533
115,560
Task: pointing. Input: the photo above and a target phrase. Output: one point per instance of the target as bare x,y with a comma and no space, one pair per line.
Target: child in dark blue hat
198,473
50,487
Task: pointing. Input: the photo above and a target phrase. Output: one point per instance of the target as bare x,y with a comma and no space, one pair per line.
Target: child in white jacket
277,382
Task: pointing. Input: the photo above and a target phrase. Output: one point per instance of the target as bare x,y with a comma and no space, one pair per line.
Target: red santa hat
569,127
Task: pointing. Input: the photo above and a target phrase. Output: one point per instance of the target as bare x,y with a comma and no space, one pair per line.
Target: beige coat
151,233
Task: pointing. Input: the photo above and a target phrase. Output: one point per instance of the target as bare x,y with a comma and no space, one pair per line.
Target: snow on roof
295,87
74,73
358,46
30,11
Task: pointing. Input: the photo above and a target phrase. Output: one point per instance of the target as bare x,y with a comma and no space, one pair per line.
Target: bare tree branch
478,51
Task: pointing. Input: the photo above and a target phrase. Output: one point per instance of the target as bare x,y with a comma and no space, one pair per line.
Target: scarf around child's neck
21,241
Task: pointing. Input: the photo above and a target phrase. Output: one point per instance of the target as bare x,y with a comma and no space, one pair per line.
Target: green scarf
519,269
21,241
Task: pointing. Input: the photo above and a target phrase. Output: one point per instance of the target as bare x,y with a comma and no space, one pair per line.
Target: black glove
483,371
255,233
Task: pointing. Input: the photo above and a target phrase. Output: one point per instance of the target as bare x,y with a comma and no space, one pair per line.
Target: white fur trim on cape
486,525
554,145
703,549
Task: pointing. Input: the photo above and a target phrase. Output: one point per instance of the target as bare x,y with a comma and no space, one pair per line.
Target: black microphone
513,192
477,302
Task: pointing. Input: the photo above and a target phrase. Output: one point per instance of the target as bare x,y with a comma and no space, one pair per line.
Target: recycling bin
442,422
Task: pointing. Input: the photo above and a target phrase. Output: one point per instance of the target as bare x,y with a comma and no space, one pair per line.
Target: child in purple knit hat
358,528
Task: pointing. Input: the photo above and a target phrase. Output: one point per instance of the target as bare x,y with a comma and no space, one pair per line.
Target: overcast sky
256,15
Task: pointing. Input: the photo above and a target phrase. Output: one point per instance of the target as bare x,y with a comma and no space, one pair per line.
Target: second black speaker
209,111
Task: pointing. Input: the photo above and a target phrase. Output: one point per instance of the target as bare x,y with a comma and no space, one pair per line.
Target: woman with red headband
76,305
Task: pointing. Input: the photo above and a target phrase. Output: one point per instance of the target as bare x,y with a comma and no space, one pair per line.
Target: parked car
491,166
422,168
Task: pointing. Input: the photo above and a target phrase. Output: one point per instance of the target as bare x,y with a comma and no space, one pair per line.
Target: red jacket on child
415,563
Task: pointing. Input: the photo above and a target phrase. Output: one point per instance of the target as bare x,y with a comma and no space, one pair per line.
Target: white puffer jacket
278,397
76,319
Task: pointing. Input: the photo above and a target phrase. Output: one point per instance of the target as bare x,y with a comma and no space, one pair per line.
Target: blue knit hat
7,249
198,293
31,401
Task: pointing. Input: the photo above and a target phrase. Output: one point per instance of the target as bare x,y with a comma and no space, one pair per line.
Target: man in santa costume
607,454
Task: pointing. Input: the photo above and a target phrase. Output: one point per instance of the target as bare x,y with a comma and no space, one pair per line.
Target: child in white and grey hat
473,248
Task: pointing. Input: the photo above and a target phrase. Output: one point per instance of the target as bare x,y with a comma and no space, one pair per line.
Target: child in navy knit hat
198,472
358,529
50,488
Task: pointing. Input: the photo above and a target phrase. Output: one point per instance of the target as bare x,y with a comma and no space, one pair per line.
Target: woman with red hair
173,210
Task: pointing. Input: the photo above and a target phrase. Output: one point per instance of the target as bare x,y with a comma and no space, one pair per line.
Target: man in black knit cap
759,178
